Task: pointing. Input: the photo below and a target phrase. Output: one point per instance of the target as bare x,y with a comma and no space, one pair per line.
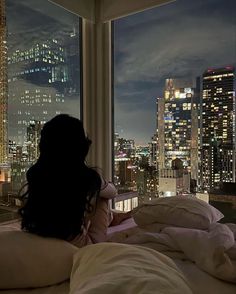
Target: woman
65,198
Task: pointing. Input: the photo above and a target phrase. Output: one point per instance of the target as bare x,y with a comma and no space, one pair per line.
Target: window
40,55
174,101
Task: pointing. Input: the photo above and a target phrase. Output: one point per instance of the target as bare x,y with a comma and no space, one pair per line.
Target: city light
190,147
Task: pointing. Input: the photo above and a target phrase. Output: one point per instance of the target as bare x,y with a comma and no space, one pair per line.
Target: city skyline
172,41
177,40
161,57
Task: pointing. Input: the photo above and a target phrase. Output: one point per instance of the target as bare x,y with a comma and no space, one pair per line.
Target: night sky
31,21
180,39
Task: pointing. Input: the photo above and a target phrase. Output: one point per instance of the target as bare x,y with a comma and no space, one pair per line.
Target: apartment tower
43,79
218,127
178,126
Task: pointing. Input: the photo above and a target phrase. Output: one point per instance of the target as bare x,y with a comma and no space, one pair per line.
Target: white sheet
201,282
213,251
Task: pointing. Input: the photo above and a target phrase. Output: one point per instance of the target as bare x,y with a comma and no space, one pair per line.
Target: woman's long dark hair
60,186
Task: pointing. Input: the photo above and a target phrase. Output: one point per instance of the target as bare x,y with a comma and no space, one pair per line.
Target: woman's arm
108,190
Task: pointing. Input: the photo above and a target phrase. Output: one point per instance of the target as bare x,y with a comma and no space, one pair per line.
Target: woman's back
61,187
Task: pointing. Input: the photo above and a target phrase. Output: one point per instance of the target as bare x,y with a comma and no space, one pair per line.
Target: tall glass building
178,125
39,80
218,127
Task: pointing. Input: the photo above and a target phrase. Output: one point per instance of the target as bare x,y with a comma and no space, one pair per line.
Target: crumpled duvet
213,251
117,268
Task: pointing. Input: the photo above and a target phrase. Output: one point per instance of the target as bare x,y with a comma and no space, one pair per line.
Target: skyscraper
3,87
43,79
218,127
38,79
178,125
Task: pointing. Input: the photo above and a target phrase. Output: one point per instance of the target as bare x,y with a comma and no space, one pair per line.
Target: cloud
175,40
33,21
180,41
190,46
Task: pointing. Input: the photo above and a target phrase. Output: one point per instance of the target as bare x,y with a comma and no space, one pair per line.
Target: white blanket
121,269
213,251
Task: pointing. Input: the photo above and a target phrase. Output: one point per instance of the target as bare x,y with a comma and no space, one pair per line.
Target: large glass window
40,78
174,102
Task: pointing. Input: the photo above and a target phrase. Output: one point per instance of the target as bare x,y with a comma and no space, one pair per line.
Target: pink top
97,222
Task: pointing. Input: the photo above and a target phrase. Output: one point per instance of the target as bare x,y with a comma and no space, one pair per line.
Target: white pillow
29,261
181,211
120,268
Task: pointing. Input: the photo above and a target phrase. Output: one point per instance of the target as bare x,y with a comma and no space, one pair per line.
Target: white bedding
125,269
118,269
62,288
199,281
202,282
214,252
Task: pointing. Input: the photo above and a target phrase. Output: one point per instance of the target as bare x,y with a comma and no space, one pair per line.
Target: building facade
174,181
218,127
43,80
37,79
124,164
3,87
178,126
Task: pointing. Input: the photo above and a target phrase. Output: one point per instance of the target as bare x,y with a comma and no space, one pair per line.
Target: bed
199,281
94,269
188,231
177,261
